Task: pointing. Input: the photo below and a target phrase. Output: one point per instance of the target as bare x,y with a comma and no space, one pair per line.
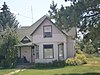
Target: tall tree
7,50
64,17
7,19
8,38
85,14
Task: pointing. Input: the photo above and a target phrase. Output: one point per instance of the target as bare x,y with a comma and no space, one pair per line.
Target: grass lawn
5,71
68,70
92,68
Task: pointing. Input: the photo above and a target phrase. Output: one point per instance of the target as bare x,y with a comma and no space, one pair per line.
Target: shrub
79,59
79,52
73,61
55,63
43,65
58,63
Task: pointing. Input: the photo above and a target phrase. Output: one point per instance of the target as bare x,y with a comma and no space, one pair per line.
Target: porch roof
25,44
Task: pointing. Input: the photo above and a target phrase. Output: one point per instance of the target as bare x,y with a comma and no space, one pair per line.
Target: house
44,42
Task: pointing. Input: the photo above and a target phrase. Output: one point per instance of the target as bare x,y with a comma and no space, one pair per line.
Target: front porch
41,53
26,53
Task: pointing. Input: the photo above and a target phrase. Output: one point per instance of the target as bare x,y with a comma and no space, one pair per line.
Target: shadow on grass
81,74
46,68
38,68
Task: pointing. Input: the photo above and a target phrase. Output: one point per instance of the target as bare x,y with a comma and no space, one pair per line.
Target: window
47,31
48,51
60,51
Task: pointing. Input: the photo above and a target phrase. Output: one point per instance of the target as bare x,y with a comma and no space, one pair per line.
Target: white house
44,42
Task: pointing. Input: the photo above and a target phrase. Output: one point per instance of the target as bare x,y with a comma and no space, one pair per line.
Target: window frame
62,44
45,32
48,48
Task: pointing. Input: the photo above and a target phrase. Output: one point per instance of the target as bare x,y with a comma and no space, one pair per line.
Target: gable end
26,39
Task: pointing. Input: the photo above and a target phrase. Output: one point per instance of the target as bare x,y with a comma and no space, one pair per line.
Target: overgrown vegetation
79,59
53,64
91,68
7,49
8,38
83,14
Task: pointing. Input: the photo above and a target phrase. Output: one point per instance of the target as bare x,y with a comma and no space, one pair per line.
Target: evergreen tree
7,19
64,17
8,38
84,14
7,49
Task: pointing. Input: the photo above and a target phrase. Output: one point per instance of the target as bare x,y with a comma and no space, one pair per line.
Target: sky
24,9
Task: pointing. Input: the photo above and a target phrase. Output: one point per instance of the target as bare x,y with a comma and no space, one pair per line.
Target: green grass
68,70
92,68
5,71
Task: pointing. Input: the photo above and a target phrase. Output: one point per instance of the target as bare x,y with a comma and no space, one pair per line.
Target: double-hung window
47,30
48,52
61,51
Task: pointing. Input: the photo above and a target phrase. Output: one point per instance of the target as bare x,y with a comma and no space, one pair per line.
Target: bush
73,61
43,65
79,52
80,55
79,59
58,63
55,63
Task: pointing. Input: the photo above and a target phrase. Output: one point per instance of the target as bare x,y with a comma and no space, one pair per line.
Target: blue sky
23,8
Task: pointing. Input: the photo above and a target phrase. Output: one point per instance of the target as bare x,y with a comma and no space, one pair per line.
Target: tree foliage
7,19
8,38
88,48
7,49
89,19
84,14
64,17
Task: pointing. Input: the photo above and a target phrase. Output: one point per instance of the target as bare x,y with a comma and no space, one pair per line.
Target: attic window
25,40
47,31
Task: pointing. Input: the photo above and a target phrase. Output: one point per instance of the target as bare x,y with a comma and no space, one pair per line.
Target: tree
89,20
88,48
7,19
64,17
7,49
8,38
84,14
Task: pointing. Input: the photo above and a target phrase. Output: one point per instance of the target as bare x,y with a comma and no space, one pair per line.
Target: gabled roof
29,30
26,31
45,17
25,44
72,31
26,39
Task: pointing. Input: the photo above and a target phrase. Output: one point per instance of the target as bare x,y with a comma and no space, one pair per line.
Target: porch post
20,52
65,50
31,55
